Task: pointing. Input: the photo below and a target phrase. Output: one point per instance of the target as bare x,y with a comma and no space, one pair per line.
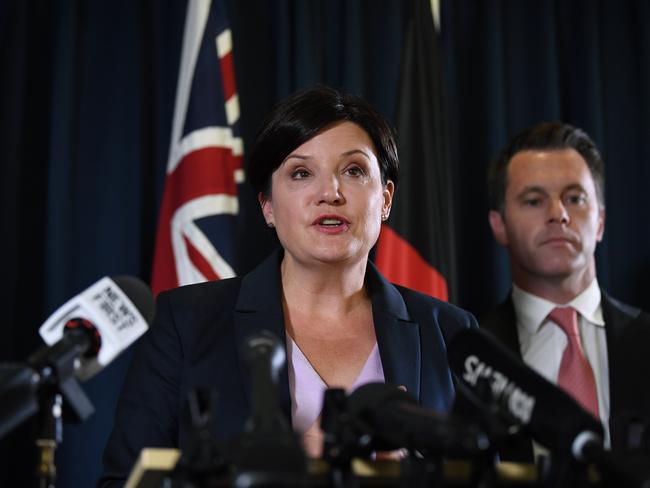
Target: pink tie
576,376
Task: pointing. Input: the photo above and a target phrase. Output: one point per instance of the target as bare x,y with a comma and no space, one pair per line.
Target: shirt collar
532,310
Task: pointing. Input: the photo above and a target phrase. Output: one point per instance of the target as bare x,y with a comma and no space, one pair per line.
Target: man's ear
601,224
267,209
498,227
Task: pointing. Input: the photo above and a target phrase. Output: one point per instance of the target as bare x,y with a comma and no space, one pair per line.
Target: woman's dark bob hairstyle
300,117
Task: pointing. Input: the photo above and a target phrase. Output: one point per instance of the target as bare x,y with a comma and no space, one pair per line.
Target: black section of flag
422,211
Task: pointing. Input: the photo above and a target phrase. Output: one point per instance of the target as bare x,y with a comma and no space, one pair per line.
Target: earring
270,225
384,217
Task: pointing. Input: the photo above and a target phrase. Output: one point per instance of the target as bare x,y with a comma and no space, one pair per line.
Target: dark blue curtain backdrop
86,101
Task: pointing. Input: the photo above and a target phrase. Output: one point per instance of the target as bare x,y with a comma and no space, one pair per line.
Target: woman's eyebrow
356,151
297,156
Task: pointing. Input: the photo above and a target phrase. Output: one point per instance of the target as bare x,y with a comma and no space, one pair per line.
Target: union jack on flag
196,226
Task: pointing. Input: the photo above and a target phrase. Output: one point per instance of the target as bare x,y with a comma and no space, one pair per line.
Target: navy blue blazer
627,330
200,329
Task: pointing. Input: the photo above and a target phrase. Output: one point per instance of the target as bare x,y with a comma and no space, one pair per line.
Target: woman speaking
325,169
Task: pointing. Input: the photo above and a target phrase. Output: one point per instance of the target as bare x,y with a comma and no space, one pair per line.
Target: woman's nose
330,190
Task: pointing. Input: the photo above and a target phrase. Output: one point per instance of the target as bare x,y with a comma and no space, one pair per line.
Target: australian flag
196,227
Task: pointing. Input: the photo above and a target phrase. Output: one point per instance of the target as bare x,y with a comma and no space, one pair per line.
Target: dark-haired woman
325,168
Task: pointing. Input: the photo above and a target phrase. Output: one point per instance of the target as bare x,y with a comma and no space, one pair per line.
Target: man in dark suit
548,210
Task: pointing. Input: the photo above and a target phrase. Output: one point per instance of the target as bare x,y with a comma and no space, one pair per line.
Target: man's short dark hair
301,116
545,136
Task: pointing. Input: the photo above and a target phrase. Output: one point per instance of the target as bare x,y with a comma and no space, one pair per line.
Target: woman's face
327,198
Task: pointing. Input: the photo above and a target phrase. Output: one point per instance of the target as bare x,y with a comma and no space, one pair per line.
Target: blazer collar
502,323
258,308
398,335
617,316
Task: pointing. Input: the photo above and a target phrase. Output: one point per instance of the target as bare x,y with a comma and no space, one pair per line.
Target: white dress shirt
542,342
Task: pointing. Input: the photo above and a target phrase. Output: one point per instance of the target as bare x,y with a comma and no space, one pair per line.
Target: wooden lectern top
154,464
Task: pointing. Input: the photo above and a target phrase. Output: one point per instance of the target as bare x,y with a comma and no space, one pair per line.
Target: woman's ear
388,192
267,209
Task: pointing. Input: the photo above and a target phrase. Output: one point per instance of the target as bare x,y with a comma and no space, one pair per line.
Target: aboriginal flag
416,246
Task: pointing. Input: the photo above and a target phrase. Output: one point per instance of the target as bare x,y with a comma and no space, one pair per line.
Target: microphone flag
416,247
119,309
195,240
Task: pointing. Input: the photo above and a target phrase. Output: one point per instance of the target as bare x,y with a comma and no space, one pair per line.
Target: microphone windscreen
139,294
372,396
393,419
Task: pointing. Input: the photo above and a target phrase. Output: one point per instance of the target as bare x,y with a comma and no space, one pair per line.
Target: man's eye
532,202
299,174
577,199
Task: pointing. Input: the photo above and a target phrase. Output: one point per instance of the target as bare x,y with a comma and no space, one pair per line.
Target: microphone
268,453
549,414
82,336
264,357
101,322
396,420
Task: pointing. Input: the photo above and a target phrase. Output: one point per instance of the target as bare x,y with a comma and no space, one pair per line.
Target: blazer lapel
627,339
259,307
502,323
398,336
617,319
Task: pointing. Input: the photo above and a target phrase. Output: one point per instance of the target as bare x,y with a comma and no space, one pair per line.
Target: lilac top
307,387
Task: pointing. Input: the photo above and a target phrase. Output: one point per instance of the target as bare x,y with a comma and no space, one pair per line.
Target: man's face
551,220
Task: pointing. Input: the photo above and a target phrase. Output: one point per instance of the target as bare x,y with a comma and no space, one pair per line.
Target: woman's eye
355,171
299,174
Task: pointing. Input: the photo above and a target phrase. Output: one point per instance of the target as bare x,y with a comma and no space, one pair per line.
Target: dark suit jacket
199,330
627,330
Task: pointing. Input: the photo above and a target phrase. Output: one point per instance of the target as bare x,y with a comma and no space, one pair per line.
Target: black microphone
550,415
268,453
395,420
547,412
264,357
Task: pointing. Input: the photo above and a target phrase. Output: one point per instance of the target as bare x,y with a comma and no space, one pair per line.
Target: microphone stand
341,441
55,367
564,472
268,454
49,437
43,385
201,464
422,472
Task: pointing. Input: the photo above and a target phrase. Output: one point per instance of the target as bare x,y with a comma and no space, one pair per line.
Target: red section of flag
228,71
200,262
163,274
400,263
203,172
207,171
